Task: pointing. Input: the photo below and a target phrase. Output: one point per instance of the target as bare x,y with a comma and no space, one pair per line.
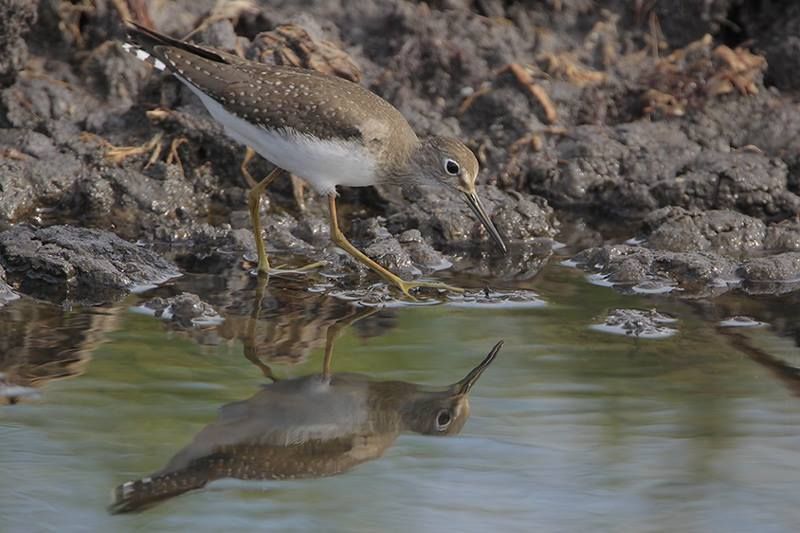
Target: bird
327,130
306,427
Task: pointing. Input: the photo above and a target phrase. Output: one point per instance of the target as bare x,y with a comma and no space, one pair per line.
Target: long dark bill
464,386
477,207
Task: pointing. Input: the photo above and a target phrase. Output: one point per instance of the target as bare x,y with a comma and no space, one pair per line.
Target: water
571,429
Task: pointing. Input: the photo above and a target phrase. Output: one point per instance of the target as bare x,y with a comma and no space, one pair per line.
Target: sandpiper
325,129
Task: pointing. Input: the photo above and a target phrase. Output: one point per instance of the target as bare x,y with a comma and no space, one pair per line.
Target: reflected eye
451,167
443,419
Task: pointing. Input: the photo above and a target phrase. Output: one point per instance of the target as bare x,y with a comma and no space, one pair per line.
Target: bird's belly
322,163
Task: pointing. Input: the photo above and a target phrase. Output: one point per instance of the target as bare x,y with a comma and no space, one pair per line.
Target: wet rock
644,270
631,170
65,262
6,293
45,103
780,267
421,253
185,310
33,174
775,27
649,324
747,182
115,75
203,248
16,16
721,231
489,266
444,219
740,321
783,237
612,170
385,248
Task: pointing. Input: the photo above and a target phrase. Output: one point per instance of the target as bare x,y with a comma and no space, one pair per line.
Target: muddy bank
78,265
663,124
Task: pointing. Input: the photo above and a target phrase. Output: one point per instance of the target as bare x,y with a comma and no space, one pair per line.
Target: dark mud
594,122
79,265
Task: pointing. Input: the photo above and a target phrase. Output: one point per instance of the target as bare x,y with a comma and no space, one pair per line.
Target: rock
775,28
444,219
383,247
186,310
7,294
637,323
422,254
35,175
631,170
77,264
783,267
16,16
750,183
643,270
612,170
724,232
783,237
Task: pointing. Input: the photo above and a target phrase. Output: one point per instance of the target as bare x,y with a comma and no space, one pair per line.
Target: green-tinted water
571,429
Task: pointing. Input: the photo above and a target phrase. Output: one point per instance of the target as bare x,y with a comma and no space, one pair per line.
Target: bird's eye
452,167
443,419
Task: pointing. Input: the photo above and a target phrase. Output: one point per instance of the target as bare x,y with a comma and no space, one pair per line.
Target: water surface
571,429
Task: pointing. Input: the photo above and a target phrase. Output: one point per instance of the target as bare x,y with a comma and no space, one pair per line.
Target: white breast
322,163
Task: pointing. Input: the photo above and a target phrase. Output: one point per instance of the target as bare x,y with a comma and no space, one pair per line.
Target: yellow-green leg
253,202
249,339
405,286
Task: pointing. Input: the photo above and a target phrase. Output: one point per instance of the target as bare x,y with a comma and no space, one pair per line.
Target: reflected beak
477,207
463,387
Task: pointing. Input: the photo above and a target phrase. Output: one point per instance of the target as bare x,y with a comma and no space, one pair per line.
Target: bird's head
449,162
444,412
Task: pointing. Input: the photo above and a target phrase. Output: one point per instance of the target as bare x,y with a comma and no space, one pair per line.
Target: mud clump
6,293
16,16
649,324
185,310
76,264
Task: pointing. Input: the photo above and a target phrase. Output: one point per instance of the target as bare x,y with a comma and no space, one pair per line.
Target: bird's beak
463,387
477,207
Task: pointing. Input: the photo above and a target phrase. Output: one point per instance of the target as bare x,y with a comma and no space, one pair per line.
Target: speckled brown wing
280,97
274,97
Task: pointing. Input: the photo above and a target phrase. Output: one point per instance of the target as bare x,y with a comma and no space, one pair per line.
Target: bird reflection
284,323
305,427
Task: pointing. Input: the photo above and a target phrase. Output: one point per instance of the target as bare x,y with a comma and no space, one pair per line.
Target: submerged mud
592,121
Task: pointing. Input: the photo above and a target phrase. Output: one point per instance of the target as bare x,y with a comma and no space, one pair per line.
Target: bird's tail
138,495
146,44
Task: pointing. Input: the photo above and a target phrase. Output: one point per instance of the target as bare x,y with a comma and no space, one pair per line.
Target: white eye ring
451,167
443,419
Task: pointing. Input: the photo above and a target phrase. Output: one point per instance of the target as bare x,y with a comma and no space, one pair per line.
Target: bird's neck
405,165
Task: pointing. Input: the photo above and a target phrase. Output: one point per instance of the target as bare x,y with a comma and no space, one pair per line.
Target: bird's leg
248,156
297,192
335,329
249,340
405,286
297,184
253,202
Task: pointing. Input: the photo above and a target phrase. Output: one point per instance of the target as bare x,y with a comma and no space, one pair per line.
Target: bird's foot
153,147
265,270
288,269
407,286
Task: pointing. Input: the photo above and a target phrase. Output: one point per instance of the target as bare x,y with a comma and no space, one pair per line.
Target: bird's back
323,128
